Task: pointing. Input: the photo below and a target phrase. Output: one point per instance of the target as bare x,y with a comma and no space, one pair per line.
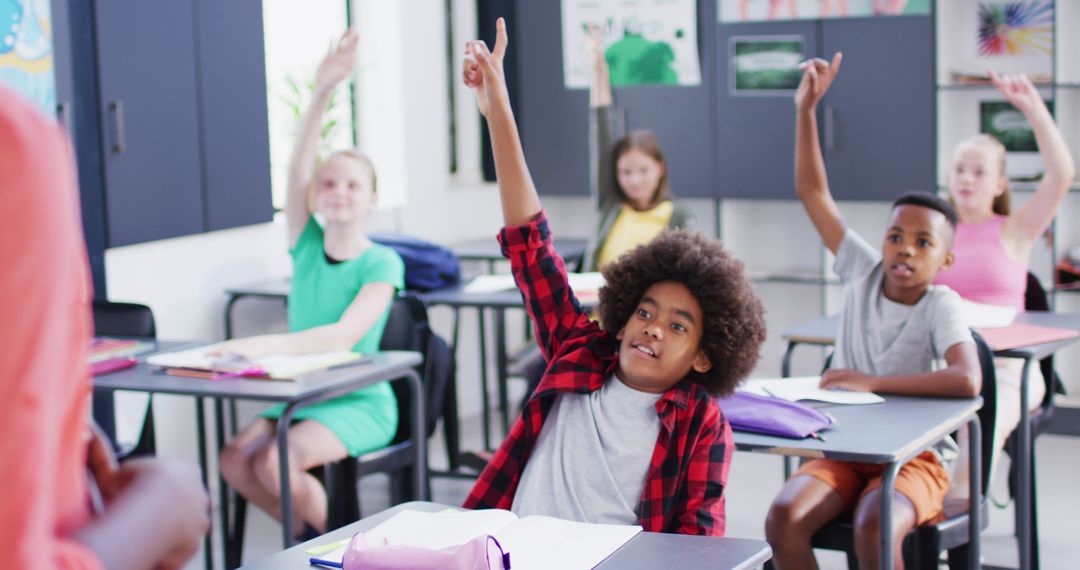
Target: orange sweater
44,338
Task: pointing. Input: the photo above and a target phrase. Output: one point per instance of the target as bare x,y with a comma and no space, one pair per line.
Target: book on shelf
210,363
533,542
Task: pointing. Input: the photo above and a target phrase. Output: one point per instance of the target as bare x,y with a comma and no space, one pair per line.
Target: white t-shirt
592,456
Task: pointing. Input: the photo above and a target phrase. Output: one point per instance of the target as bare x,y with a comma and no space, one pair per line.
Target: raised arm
601,121
1031,220
811,182
334,68
484,74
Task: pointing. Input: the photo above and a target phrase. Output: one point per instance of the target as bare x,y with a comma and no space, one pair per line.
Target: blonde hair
354,154
1002,202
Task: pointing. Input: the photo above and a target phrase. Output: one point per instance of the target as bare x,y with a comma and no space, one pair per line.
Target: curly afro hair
734,316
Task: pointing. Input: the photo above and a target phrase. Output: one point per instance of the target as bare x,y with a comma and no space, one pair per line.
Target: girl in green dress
342,288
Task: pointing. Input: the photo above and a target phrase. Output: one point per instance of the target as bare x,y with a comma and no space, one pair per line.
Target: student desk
890,433
647,550
306,389
822,332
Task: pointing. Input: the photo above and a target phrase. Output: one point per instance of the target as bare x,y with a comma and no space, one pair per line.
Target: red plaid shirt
684,488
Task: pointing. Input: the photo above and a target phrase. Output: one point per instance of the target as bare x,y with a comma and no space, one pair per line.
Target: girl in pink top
155,511
993,241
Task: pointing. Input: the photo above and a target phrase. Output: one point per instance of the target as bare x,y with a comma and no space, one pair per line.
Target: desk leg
888,488
282,434
223,489
1023,474
451,425
200,424
419,430
785,372
484,403
500,369
975,460
785,362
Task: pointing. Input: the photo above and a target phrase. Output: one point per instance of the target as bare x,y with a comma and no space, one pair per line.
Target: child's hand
483,71
338,63
818,75
1019,91
594,48
847,379
189,516
248,348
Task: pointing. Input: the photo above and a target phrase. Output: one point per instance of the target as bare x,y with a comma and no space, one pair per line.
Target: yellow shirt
633,228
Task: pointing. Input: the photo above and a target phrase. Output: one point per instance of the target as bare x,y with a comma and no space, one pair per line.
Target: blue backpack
427,266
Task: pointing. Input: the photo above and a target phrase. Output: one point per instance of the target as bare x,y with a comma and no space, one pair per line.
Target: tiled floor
755,479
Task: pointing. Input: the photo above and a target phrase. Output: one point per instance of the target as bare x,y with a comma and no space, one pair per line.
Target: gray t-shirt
882,337
591,457
885,338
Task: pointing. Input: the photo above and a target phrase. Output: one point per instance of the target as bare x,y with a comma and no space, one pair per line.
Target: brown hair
646,142
352,153
1003,201
734,317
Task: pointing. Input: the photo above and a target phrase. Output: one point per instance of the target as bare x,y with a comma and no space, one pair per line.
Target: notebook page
439,530
806,388
542,543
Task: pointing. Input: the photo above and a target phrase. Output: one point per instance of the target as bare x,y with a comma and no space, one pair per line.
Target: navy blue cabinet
877,121
182,112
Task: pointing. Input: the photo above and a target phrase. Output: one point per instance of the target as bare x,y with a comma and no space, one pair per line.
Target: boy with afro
623,427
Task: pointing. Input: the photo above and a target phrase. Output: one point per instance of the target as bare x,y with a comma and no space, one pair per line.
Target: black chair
1035,299
407,328
123,319
949,532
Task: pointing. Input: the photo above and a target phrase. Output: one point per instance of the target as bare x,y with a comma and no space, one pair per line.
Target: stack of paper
807,388
206,362
533,542
102,348
583,284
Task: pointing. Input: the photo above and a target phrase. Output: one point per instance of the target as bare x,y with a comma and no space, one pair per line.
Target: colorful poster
646,42
1008,125
26,51
1016,28
764,10
764,65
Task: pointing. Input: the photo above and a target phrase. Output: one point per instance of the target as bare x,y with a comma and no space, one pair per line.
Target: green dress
366,419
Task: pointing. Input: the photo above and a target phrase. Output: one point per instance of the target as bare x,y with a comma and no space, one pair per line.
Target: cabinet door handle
63,116
117,109
830,127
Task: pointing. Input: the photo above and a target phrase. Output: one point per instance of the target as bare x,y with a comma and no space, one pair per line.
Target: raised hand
818,75
594,48
1019,91
338,62
483,71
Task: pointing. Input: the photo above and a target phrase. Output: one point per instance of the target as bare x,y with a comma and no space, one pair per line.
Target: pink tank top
983,272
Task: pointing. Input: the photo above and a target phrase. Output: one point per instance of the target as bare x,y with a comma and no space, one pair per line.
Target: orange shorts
922,480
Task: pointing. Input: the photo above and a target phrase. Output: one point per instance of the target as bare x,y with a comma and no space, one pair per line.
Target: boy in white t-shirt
896,327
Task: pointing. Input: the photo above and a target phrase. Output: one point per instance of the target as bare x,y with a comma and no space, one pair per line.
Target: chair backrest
988,412
1036,299
407,329
123,319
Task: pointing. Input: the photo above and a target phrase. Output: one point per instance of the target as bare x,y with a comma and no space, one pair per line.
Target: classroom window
297,35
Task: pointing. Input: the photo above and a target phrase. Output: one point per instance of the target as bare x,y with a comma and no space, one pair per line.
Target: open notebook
807,388
533,542
583,284
201,363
